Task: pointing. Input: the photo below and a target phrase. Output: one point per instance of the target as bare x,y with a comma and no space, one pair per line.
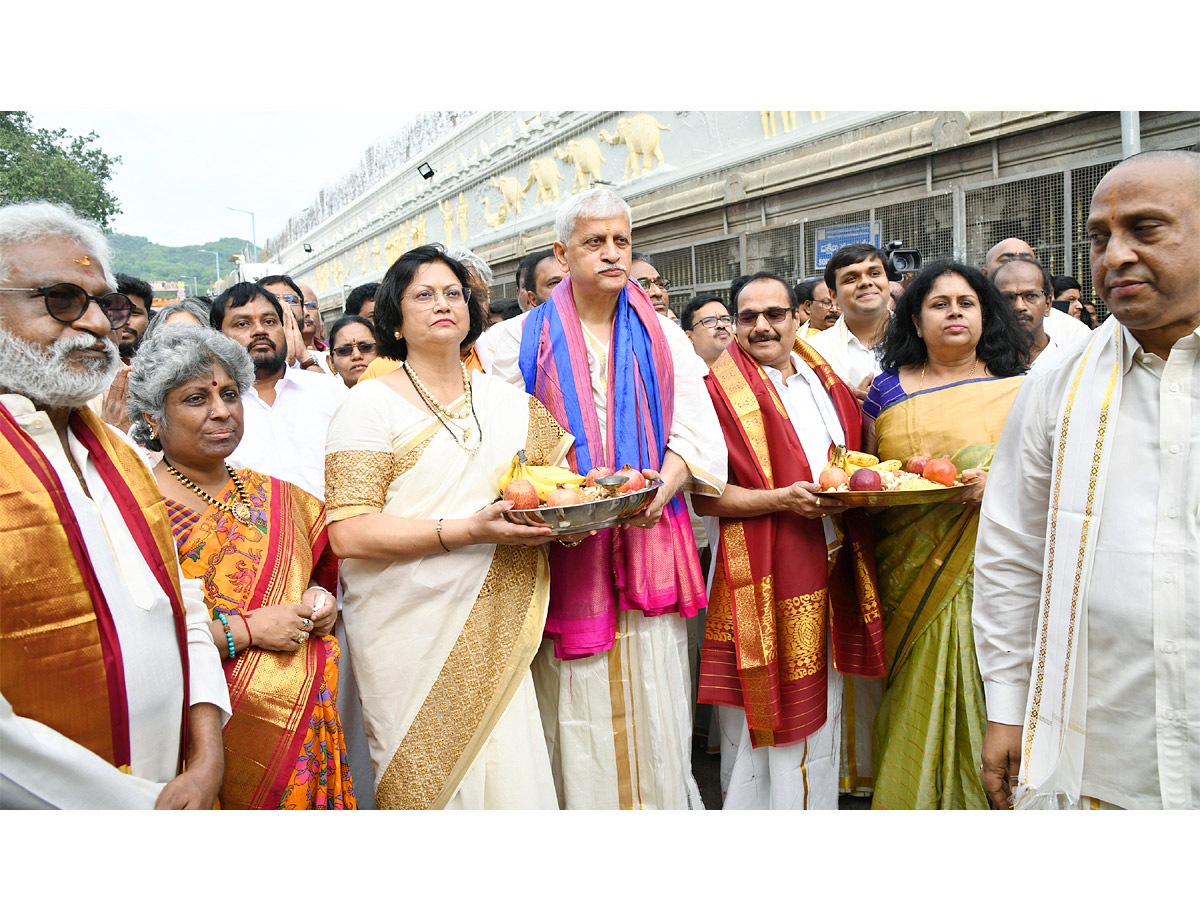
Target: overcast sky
174,187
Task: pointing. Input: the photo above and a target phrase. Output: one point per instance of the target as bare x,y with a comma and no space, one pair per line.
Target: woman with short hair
260,549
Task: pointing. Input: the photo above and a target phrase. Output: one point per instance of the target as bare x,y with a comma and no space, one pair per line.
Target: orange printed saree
284,747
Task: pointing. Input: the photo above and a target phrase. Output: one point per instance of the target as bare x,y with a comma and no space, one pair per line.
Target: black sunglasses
67,303
364,347
775,315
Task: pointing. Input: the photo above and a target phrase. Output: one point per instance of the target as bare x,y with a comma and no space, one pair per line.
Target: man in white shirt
1028,289
768,665
857,278
1063,329
306,350
1088,553
287,412
110,680
818,306
615,697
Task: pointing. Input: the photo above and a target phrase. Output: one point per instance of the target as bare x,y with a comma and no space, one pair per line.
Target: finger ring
306,622
303,636
818,501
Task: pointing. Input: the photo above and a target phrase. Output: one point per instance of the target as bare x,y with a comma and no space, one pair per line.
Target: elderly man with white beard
111,691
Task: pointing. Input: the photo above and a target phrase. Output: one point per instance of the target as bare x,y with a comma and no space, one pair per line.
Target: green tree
44,164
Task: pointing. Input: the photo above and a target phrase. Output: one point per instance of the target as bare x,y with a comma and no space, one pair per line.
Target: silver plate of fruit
588,507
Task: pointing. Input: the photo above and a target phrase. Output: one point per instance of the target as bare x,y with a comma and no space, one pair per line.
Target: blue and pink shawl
655,570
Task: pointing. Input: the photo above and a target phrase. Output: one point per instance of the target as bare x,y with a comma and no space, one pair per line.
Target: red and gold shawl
60,659
773,595
245,567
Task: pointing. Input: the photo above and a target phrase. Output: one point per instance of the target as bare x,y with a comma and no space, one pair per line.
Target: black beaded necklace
240,510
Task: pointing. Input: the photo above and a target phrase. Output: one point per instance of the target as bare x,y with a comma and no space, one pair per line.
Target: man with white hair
612,676
109,681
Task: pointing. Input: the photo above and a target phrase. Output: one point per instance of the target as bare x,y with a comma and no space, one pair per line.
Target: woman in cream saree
444,601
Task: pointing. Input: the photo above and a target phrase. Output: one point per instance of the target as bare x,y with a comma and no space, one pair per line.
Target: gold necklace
437,409
240,510
431,401
968,378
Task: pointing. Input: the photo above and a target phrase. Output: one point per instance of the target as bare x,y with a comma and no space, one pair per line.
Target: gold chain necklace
431,401
240,510
968,378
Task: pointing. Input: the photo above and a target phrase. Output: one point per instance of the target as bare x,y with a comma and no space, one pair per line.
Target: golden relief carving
461,212
375,256
585,155
510,193
469,679
358,478
640,135
447,209
360,259
544,436
545,172
768,123
491,221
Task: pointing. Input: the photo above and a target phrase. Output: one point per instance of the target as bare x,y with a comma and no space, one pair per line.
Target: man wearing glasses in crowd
642,270
301,341
111,683
706,320
1028,288
818,305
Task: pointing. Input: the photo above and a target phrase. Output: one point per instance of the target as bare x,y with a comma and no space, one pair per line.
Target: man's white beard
45,377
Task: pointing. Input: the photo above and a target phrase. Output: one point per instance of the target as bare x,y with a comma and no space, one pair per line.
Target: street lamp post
253,233
217,263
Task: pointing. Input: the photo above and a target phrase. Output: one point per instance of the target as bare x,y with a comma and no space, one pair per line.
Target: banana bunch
543,478
853,460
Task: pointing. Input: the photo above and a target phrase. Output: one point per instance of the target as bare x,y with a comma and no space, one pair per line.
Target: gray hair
473,262
597,203
191,305
24,223
175,354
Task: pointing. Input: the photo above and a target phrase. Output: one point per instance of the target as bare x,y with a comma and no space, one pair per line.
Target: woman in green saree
951,356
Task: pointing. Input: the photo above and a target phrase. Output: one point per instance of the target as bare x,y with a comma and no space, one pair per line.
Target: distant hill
147,260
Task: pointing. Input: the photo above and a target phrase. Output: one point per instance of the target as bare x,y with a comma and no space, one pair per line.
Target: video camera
899,262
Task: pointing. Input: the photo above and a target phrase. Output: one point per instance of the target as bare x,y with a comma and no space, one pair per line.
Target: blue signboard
833,237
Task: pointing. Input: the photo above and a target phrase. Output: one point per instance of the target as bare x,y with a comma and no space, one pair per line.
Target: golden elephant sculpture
510,192
639,134
585,155
545,172
490,220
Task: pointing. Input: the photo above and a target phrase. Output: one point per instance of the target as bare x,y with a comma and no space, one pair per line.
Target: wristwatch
311,361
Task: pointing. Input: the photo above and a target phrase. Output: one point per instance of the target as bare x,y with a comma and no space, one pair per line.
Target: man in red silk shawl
110,681
778,593
612,677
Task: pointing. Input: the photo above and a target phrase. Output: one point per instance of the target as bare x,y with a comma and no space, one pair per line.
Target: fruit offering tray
895,498
594,515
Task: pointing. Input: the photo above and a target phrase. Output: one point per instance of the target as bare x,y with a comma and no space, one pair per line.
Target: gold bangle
439,536
570,543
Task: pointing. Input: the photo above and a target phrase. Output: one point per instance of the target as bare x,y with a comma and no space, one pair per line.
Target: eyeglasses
364,347
829,303
646,282
714,321
67,303
1027,296
293,300
774,315
455,296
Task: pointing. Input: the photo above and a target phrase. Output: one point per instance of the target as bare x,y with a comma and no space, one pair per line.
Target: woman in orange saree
258,545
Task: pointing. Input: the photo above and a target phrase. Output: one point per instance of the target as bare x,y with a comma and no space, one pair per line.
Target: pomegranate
563,496
522,493
941,470
832,476
916,465
866,480
597,472
636,481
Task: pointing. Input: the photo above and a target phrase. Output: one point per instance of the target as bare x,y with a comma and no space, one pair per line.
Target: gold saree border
477,681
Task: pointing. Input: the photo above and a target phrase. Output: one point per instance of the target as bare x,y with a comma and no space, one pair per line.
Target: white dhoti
619,724
803,775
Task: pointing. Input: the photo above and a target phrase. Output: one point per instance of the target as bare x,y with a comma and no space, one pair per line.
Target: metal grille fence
926,225
1028,208
1083,184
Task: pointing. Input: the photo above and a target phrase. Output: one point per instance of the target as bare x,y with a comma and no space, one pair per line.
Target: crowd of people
248,562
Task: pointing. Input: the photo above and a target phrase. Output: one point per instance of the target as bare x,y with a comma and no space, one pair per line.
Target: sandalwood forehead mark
85,261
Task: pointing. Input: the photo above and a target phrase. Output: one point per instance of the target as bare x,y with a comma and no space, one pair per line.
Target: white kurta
1142,712
1065,329
40,767
619,724
845,353
287,439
